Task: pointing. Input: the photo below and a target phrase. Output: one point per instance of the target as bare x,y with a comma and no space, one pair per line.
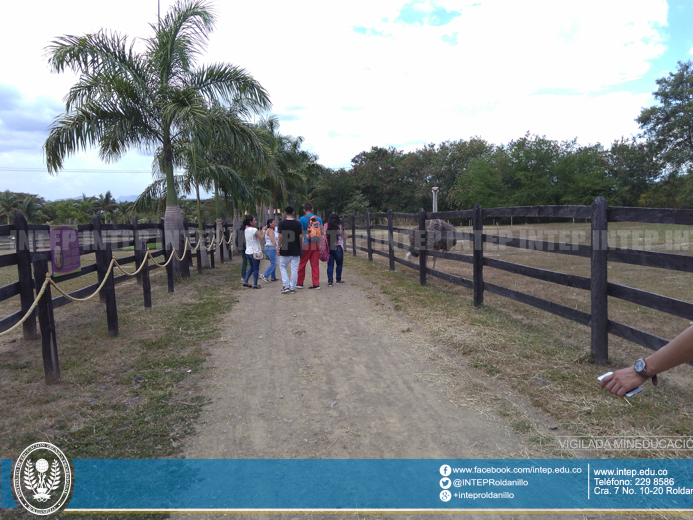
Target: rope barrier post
26,284
138,246
142,259
422,247
49,345
109,290
229,246
169,266
390,240
353,234
213,247
98,248
189,263
478,256
200,245
219,233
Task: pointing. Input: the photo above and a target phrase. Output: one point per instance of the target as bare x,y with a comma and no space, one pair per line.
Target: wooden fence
31,251
599,215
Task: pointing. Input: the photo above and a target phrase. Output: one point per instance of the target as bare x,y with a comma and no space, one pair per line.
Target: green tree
125,100
669,124
357,205
635,167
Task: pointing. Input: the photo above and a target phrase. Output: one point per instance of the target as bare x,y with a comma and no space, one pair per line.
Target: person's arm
679,350
270,232
260,233
344,234
279,241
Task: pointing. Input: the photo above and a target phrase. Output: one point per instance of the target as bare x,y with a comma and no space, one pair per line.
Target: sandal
255,286
246,285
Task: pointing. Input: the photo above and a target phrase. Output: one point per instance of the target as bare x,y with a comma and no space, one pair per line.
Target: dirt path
335,373
330,374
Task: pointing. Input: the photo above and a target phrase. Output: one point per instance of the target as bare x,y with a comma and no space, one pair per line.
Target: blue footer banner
370,485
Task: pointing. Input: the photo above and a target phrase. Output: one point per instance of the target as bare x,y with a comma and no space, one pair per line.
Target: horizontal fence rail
598,215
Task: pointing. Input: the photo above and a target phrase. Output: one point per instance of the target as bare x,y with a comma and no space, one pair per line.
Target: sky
388,73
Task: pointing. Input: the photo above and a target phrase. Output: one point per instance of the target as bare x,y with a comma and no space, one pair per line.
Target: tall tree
124,99
669,125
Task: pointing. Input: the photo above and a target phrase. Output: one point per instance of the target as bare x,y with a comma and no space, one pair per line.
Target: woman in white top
253,237
271,251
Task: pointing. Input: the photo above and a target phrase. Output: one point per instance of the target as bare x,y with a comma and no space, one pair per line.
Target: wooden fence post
49,346
478,256
353,233
422,247
26,283
140,258
98,248
390,240
136,243
369,250
600,317
109,290
169,267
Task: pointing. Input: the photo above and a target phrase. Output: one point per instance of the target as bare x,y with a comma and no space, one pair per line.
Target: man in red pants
310,252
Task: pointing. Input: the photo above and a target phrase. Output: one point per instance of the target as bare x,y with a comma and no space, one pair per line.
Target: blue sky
387,73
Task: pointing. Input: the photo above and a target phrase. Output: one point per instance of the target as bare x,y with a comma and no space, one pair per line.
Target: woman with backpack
271,251
336,235
253,249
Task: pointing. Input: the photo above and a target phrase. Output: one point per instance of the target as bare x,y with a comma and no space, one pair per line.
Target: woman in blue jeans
253,237
271,252
336,235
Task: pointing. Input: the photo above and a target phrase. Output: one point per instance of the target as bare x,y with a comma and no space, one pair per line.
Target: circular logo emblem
445,482
445,470
445,495
42,479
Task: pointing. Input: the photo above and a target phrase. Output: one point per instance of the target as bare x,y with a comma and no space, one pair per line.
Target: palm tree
105,204
9,204
125,99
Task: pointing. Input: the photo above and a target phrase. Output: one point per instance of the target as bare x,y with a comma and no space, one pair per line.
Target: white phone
633,392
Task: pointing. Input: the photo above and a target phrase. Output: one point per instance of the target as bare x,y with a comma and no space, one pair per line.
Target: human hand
622,381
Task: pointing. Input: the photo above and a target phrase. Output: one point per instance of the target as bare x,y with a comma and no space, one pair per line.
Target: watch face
639,365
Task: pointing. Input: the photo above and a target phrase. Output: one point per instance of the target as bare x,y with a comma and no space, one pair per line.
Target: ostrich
440,236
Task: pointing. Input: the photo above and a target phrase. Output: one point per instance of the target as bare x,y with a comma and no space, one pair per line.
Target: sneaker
293,291
329,284
341,281
286,290
299,287
263,278
313,287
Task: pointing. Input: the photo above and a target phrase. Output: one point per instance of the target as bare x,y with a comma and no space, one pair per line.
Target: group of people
291,244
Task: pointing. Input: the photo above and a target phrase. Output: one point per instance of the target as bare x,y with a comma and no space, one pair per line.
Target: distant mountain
127,198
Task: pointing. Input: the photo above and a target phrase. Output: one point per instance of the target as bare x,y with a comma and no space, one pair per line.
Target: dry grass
541,358
98,409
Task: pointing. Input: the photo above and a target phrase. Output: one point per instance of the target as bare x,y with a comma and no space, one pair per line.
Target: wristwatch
641,370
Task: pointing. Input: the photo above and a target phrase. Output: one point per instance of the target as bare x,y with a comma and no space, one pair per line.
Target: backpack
314,230
324,251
